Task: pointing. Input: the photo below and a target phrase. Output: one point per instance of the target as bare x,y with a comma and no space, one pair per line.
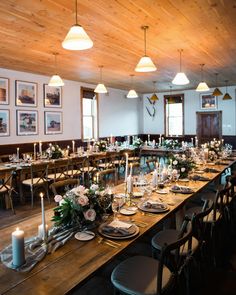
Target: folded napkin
154,205
199,178
115,230
181,189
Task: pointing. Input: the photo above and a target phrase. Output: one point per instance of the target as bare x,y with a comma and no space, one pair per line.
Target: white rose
175,162
58,198
90,214
182,169
94,187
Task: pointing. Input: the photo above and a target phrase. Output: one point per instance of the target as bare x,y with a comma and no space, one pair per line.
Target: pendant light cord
226,85
180,59
55,60
101,73
76,20
145,42
202,65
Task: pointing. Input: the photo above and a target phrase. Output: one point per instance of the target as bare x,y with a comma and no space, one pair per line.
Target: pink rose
83,200
90,214
58,198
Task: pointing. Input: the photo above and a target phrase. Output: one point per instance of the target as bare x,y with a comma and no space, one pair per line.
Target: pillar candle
153,143
35,151
73,146
18,153
128,139
97,178
126,165
154,178
44,234
18,248
148,137
111,138
159,141
192,141
129,184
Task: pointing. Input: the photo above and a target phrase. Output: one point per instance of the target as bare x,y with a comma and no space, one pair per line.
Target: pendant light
145,64
132,93
100,88
226,96
154,97
77,38
217,91
180,78
56,80
202,86
171,98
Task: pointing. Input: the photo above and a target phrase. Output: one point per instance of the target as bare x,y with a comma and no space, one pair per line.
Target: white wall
118,115
191,106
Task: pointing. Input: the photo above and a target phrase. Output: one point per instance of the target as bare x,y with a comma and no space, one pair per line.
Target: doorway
209,126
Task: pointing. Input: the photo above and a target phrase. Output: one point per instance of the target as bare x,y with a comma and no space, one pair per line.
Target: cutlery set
109,242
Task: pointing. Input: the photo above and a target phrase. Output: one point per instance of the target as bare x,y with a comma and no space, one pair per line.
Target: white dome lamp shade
132,93
145,63
77,38
56,80
180,78
202,86
100,88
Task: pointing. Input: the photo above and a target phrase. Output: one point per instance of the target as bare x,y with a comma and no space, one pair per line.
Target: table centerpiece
183,164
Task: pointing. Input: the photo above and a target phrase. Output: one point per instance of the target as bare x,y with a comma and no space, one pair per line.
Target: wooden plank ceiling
205,29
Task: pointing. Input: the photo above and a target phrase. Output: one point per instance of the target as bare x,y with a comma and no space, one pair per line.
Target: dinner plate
161,191
84,235
127,211
134,230
182,191
137,194
199,171
142,207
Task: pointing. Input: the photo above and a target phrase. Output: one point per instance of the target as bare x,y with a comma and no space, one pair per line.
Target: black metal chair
143,275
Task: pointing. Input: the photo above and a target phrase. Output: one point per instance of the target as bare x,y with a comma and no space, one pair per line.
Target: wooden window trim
165,99
82,89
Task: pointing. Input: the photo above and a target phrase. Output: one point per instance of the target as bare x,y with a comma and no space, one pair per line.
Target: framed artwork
52,96
26,94
27,122
4,122
4,91
208,101
53,122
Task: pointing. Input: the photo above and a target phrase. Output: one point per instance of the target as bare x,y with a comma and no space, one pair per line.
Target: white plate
162,191
199,171
84,235
126,211
137,194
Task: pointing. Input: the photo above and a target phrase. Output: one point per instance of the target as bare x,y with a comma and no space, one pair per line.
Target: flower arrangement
79,206
183,164
137,142
54,152
101,145
214,149
171,144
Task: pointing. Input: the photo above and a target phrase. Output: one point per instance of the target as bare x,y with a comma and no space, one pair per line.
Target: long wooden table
70,265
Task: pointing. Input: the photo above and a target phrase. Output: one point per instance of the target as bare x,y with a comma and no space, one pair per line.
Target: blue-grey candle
18,248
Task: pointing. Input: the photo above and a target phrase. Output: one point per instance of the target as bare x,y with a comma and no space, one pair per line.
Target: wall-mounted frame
27,122
208,101
52,96
26,94
4,122
4,90
53,122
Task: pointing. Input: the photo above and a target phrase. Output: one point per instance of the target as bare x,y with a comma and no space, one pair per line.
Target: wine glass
115,208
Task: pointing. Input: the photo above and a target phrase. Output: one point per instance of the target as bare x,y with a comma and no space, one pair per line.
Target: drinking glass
115,208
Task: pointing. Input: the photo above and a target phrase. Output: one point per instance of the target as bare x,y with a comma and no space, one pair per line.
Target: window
174,115
89,111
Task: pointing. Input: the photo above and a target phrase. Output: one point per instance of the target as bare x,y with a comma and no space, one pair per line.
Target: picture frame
208,101
52,96
4,123
53,122
27,122
26,94
4,91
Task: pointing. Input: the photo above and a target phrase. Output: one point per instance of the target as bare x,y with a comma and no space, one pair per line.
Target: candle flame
41,195
17,229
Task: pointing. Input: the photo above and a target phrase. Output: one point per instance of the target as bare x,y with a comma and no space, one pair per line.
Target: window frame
166,97
82,89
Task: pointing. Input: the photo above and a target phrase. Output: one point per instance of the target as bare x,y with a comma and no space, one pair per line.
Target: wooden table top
76,260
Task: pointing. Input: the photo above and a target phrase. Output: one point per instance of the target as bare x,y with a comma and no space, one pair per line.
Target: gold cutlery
109,242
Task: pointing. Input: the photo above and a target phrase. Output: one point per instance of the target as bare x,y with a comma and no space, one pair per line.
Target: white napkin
120,224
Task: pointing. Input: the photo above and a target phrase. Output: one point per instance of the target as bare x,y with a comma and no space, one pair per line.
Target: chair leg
32,196
11,202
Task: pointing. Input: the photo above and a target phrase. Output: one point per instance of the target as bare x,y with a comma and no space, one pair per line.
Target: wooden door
209,126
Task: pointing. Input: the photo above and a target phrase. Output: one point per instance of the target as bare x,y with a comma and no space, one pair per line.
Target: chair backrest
60,168
58,186
221,200
106,176
39,171
6,180
179,260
